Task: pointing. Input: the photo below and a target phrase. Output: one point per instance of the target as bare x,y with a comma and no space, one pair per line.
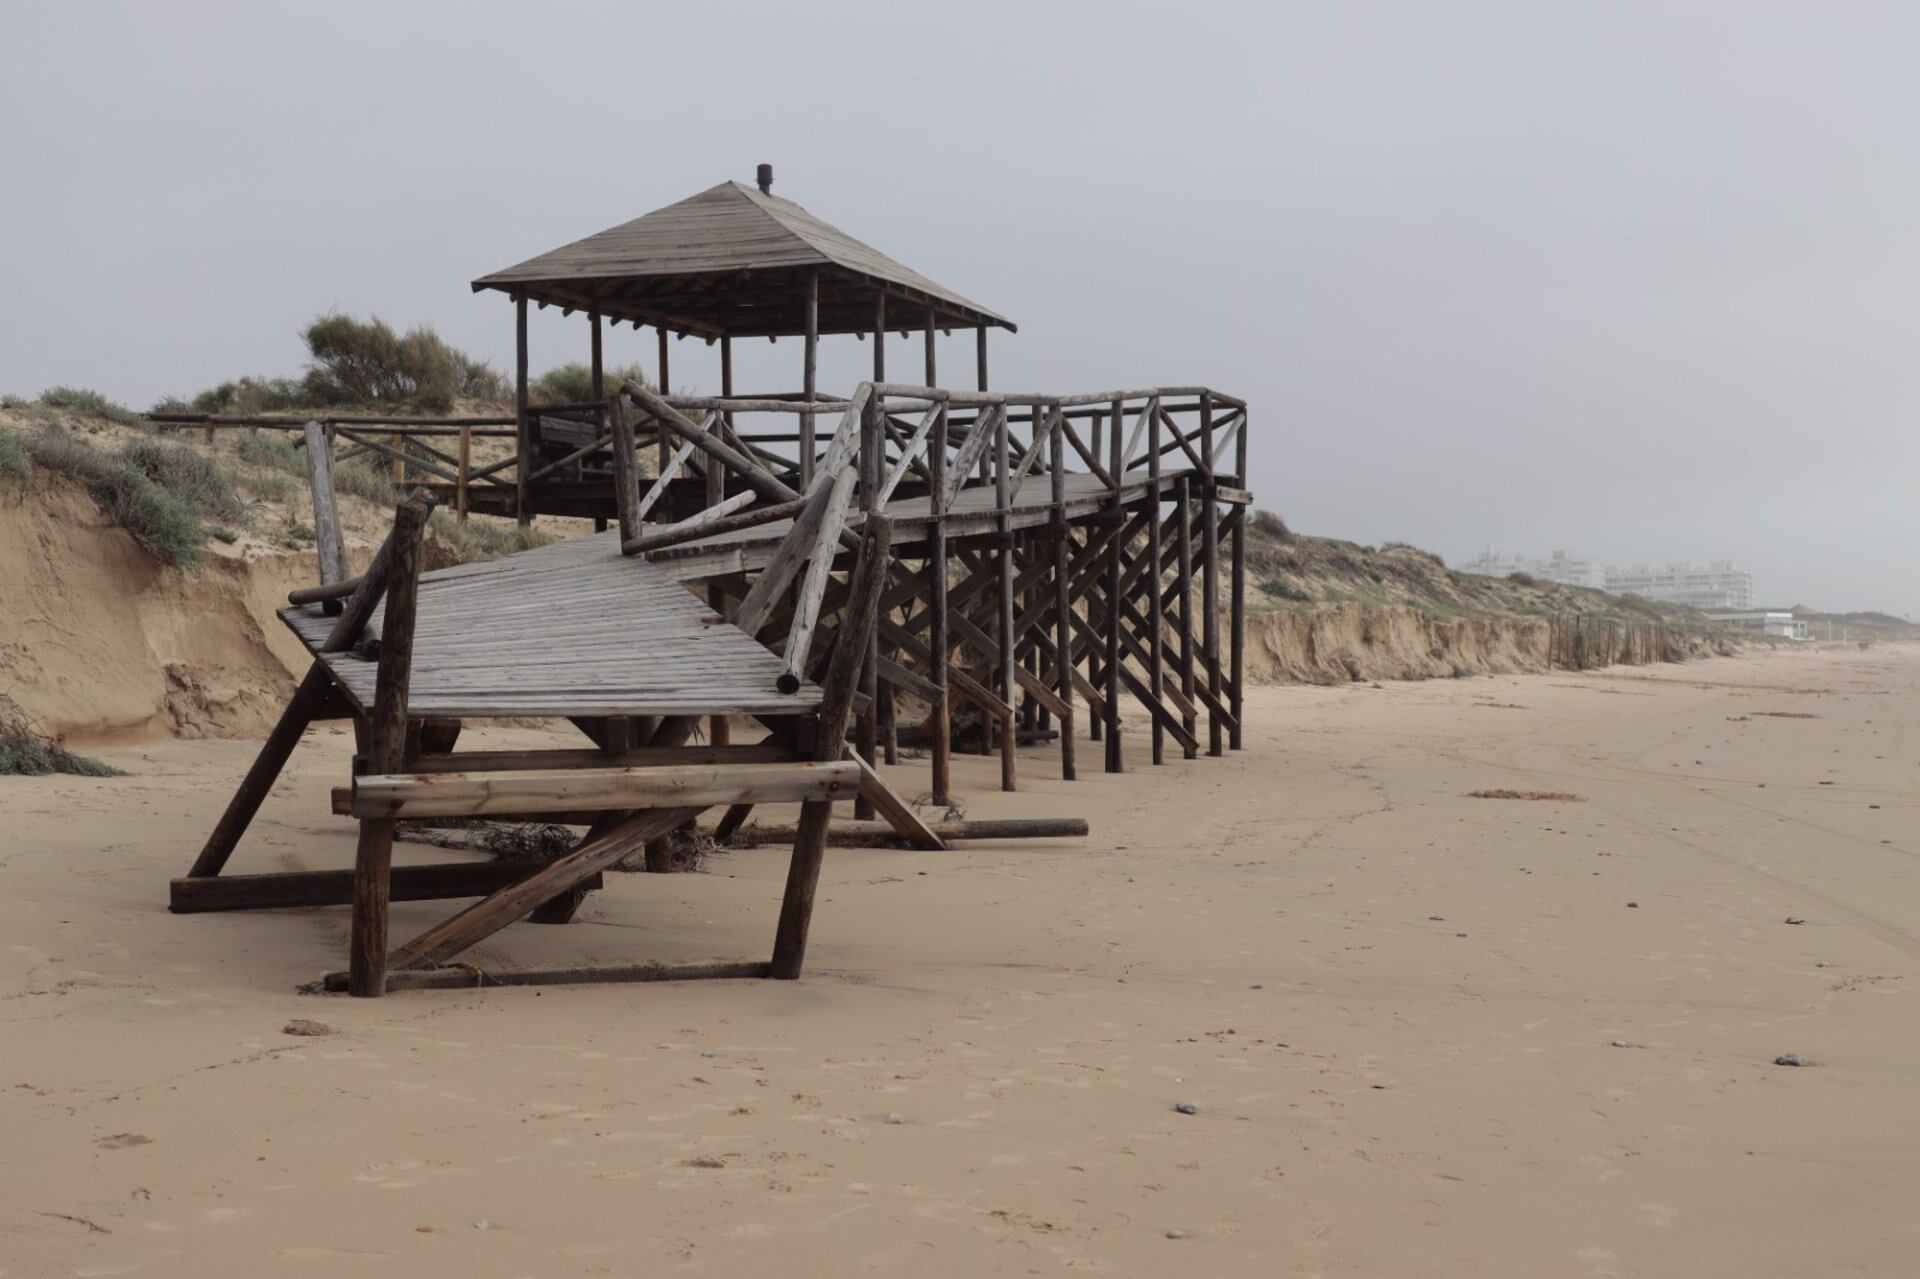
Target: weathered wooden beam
467,976
894,811
414,795
387,747
335,887
803,872
329,540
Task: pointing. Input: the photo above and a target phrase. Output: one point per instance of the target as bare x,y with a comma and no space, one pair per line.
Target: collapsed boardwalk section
910,565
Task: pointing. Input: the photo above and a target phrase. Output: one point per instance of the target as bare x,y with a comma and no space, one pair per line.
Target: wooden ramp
572,629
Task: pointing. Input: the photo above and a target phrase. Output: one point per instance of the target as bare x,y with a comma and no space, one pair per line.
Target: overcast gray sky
1637,279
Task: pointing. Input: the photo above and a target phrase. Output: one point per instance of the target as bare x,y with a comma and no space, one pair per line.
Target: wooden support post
1236,681
664,447
329,540
1184,538
1210,574
387,745
888,710
930,366
1110,662
1003,558
524,429
598,371
463,470
307,699
626,469
809,846
940,719
809,369
1063,604
1156,665
871,463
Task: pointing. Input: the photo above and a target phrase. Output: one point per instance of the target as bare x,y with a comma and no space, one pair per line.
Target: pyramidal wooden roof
733,260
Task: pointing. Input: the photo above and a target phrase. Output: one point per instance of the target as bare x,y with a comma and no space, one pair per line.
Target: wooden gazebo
731,262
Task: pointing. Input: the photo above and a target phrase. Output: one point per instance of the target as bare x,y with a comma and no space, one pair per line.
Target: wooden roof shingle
733,260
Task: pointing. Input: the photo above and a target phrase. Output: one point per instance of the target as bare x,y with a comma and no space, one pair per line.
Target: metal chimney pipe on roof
765,178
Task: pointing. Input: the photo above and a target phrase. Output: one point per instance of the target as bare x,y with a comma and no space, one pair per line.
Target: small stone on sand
1186,1107
1181,1234
896,1118
302,1026
1789,1059
1795,919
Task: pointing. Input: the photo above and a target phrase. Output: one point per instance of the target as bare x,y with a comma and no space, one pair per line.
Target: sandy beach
1424,1033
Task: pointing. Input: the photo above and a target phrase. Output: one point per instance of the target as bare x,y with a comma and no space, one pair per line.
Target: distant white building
1782,625
1563,567
1721,585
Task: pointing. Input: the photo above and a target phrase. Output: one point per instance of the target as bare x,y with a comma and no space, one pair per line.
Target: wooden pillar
1096,724
1236,680
869,583
1002,499
932,375
387,749
867,734
464,472
308,698
1062,601
719,730
809,372
1156,651
599,371
1210,574
940,723
626,468
523,433
889,712
1183,532
662,450
1110,661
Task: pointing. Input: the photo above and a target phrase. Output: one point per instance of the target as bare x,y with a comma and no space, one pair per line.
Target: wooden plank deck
574,628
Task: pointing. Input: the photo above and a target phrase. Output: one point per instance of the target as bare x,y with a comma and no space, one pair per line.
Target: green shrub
366,362
482,539
573,383
370,480
1267,524
27,752
1280,589
270,487
90,403
188,474
162,521
271,450
16,463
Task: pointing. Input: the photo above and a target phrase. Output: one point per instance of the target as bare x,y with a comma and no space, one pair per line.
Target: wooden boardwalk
571,629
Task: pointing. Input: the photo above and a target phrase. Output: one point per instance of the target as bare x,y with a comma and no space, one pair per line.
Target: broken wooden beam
411,795
335,887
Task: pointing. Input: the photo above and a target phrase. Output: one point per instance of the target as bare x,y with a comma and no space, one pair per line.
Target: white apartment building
1563,567
1721,585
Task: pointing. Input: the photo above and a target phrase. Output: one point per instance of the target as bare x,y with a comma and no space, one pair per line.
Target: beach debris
123,1140
306,1026
1789,1059
483,1224
896,1118
1181,1234
1795,919
1551,796
1633,905
1186,1107
702,1161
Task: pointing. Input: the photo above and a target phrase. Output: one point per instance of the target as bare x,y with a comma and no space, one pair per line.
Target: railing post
1156,671
1002,499
466,465
940,723
1062,599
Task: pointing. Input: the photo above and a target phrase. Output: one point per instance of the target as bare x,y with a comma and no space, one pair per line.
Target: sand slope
1426,1034
99,641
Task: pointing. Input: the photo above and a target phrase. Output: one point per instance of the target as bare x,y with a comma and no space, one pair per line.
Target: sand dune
1424,1034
